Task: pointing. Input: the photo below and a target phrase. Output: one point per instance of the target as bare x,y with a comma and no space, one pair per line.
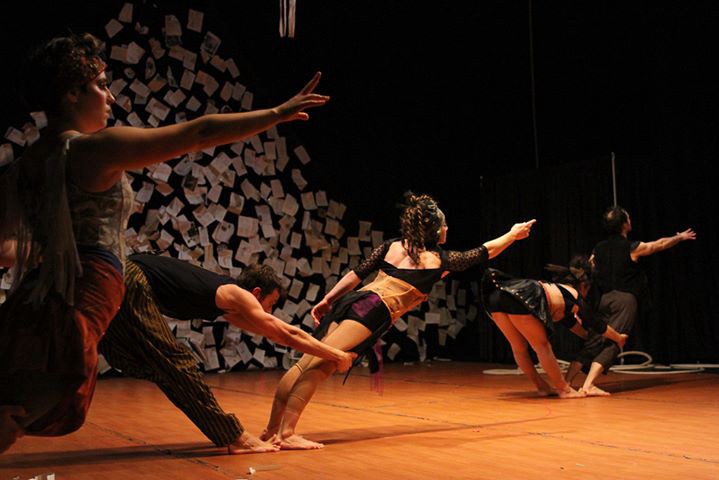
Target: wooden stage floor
434,421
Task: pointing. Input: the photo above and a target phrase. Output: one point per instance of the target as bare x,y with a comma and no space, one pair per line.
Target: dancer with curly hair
352,320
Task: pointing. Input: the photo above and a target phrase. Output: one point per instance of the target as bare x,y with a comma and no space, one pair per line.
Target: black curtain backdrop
664,197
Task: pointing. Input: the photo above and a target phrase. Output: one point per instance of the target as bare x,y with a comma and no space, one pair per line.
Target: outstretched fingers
295,107
312,84
688,234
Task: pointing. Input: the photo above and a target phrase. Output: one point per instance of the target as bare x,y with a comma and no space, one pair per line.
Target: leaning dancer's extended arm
579,331
244,311
616,337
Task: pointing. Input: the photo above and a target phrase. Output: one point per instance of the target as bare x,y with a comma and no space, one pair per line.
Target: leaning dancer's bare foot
295,442
547,393
544,390
595,391
569,392
250,444
268,434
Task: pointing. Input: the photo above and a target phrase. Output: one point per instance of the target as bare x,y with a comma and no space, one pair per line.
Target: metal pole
614,180
534,101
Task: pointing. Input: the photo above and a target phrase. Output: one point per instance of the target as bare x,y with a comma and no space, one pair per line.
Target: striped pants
140,344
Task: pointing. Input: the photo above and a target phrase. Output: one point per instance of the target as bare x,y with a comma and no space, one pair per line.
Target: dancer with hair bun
526,310
407,268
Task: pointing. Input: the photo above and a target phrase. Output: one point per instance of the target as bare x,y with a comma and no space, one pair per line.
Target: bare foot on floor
296,442
250,444
595,391
547,393
268,435
569,392
545,390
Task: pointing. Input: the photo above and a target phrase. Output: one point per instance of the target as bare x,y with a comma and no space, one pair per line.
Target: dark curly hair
579,271
262,277
421,223
58,66
614,218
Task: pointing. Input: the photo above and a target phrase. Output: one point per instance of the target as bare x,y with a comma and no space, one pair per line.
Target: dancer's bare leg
346,336
283,391
280,401
572,371
248,443
589,388
521,353
306,385
533,330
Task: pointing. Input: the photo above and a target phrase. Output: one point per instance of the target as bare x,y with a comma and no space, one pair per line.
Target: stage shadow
638,383
109,455
364,434
627,383
525,395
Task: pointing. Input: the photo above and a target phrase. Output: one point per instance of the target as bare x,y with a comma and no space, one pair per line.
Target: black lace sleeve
371,263
458,261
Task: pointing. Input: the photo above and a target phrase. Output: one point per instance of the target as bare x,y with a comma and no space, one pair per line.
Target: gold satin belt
399,296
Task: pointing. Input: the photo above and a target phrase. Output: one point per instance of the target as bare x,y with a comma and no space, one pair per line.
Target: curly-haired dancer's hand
319,311
520,231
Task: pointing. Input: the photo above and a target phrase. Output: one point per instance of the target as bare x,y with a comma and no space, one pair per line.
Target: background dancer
624,290
525,310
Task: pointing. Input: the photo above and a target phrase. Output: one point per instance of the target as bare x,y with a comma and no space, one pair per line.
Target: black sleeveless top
615,269
182,290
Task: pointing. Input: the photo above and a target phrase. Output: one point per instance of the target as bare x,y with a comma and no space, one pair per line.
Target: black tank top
615,269
182,290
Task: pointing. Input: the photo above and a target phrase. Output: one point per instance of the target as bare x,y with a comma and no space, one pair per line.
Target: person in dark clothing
622,285
140,343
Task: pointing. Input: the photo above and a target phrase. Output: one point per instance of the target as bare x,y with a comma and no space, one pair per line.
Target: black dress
503,293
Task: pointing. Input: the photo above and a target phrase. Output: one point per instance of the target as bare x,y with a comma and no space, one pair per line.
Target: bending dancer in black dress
525,310
407,267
